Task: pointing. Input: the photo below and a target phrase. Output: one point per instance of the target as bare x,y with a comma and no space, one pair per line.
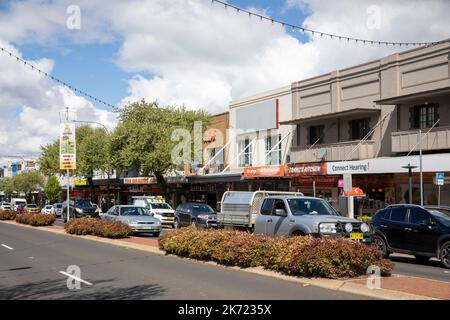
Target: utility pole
420,165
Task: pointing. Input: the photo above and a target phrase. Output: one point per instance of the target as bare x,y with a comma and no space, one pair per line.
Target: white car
48,209
5,206
158,207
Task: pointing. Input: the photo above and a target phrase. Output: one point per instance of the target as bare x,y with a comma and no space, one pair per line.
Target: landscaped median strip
355,286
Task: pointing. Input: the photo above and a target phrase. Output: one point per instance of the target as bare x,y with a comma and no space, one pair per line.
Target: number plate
170,219
356,236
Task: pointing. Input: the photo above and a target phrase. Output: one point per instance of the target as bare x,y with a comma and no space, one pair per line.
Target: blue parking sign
440,178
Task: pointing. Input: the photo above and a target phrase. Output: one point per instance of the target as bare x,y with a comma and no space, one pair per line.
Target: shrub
302,256
95,227
36,219
7,214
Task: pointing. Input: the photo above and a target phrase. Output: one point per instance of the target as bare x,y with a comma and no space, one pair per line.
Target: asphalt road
31,262
404,264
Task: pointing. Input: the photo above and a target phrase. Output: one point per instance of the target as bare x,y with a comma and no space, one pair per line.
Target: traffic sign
347,182
440,178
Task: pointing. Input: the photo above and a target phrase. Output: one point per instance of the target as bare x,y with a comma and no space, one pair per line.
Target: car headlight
348,227
365,227
203,216
78,210
327,228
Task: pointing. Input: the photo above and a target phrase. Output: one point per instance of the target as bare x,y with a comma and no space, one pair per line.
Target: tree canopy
52,189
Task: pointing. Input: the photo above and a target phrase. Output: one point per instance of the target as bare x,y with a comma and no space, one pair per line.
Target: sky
180,52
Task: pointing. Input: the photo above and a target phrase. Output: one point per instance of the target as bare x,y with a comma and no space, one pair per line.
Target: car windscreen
310,207
160,205
59,206
202,208
83,203
442,215
48,207
134,211
32,206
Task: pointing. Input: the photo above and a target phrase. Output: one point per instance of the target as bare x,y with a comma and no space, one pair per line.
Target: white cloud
194,53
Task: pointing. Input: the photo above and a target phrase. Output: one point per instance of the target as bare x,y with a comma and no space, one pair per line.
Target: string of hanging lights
61,82
320,33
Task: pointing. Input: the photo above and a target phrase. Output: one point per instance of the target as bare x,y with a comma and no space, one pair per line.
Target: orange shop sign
305,169
264,172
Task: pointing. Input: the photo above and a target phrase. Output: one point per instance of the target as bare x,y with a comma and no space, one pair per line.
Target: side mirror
280,212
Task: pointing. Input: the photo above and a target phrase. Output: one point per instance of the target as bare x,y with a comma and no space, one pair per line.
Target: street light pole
421,172
410,167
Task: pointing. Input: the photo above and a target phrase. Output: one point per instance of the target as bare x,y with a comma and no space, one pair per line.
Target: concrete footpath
397,287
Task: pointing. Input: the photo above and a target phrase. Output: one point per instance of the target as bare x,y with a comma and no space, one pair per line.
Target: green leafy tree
143,138
28,182
7,186
52,189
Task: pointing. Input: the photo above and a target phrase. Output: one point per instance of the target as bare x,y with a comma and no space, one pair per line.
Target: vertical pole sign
348,188
67,154
440,182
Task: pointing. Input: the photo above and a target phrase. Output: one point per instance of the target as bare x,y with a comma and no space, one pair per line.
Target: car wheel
382,245
176,224
444,254
422,258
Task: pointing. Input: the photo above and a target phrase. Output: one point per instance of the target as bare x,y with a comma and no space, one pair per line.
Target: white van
16,202
158,207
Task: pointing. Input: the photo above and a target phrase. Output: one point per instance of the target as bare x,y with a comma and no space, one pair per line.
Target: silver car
139,219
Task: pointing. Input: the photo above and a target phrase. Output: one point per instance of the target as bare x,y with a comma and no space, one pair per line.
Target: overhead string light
63,83
331,35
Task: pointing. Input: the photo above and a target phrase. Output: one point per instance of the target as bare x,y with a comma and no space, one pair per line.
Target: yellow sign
67,147
80,182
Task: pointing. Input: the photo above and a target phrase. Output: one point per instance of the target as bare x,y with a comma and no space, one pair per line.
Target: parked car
195,214
5,206
18,202
57,209
160,209
289,214
48,209
32,208
420,231
139,219
79,208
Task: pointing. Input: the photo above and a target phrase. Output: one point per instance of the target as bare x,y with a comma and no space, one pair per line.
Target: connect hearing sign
67,147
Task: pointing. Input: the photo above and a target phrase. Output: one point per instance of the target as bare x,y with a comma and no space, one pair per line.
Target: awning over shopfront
216,178
334,115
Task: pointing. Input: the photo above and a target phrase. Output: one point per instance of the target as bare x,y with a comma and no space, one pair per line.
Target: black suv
79,208
421,231
195,214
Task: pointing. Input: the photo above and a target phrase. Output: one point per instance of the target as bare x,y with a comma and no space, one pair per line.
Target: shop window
359,128
245,158
316,134
273,157
424,116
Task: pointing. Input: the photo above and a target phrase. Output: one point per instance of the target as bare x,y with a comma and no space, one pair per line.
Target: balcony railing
436,139
334,152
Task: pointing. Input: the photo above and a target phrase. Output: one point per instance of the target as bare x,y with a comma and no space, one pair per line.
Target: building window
359,128
316,134
245,158
425,116
217,165
273,157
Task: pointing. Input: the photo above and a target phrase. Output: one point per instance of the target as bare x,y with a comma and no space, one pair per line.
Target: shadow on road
57,289
412,260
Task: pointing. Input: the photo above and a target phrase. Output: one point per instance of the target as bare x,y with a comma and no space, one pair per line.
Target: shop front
272,178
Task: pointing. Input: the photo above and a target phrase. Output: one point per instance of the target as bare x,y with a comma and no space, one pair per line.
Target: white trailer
240,208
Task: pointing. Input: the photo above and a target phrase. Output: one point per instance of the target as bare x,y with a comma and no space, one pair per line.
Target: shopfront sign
151,180
67,147
348,167
320,181
264,172
306,169
79,182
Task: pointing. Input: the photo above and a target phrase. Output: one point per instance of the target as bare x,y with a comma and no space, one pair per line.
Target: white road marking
76,278
7,247
447,271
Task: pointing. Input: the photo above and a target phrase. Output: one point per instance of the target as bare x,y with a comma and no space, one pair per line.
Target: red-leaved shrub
7,214
95,227
302,256
36,219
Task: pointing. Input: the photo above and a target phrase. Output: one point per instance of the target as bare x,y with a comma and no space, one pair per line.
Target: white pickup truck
285,214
